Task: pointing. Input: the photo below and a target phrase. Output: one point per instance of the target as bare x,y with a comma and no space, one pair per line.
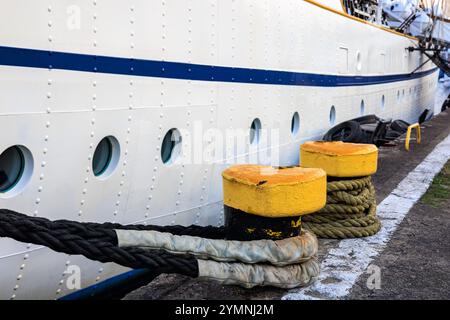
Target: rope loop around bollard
350,211
100,242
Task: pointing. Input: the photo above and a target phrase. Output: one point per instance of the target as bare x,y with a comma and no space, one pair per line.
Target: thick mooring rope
105,231
162,254
93,241
350,211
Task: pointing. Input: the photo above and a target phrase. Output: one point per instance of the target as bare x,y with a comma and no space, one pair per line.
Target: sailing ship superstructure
97,99
425,19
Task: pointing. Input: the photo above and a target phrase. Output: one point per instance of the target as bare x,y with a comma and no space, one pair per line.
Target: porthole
16,168
358,61
171,146
106,157
255,131
295,124
332,115
362,108
383,102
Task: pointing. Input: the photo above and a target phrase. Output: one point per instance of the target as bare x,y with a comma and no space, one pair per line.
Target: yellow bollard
263,202
351,207
340,159
408,135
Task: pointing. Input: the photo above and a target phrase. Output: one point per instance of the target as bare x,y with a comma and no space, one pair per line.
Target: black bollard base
242,226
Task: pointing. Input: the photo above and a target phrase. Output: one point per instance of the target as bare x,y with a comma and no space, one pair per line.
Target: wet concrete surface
409,246
416,263
394,162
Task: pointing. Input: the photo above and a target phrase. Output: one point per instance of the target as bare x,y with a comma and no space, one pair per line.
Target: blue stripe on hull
98,289
23,57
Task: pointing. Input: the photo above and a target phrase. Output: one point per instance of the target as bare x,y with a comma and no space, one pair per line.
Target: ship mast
435,42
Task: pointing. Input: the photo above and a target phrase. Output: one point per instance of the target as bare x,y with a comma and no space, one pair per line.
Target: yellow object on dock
408,135
350,211
340,159
274,192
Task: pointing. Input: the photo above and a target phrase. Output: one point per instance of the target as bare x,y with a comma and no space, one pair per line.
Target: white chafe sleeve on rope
251,275
280,252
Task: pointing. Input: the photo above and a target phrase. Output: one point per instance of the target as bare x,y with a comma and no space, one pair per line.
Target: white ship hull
153,73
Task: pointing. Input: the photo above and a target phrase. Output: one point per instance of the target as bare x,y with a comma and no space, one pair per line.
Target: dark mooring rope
96,242
105,231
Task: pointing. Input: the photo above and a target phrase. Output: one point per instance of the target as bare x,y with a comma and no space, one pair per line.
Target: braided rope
343,208
100,244
105,231
348,185
350,211
350,199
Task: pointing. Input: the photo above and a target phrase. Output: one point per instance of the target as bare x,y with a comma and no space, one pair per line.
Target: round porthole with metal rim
106,157
16,166
255,131
332,116
171,146
362,108
295,124
358,61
